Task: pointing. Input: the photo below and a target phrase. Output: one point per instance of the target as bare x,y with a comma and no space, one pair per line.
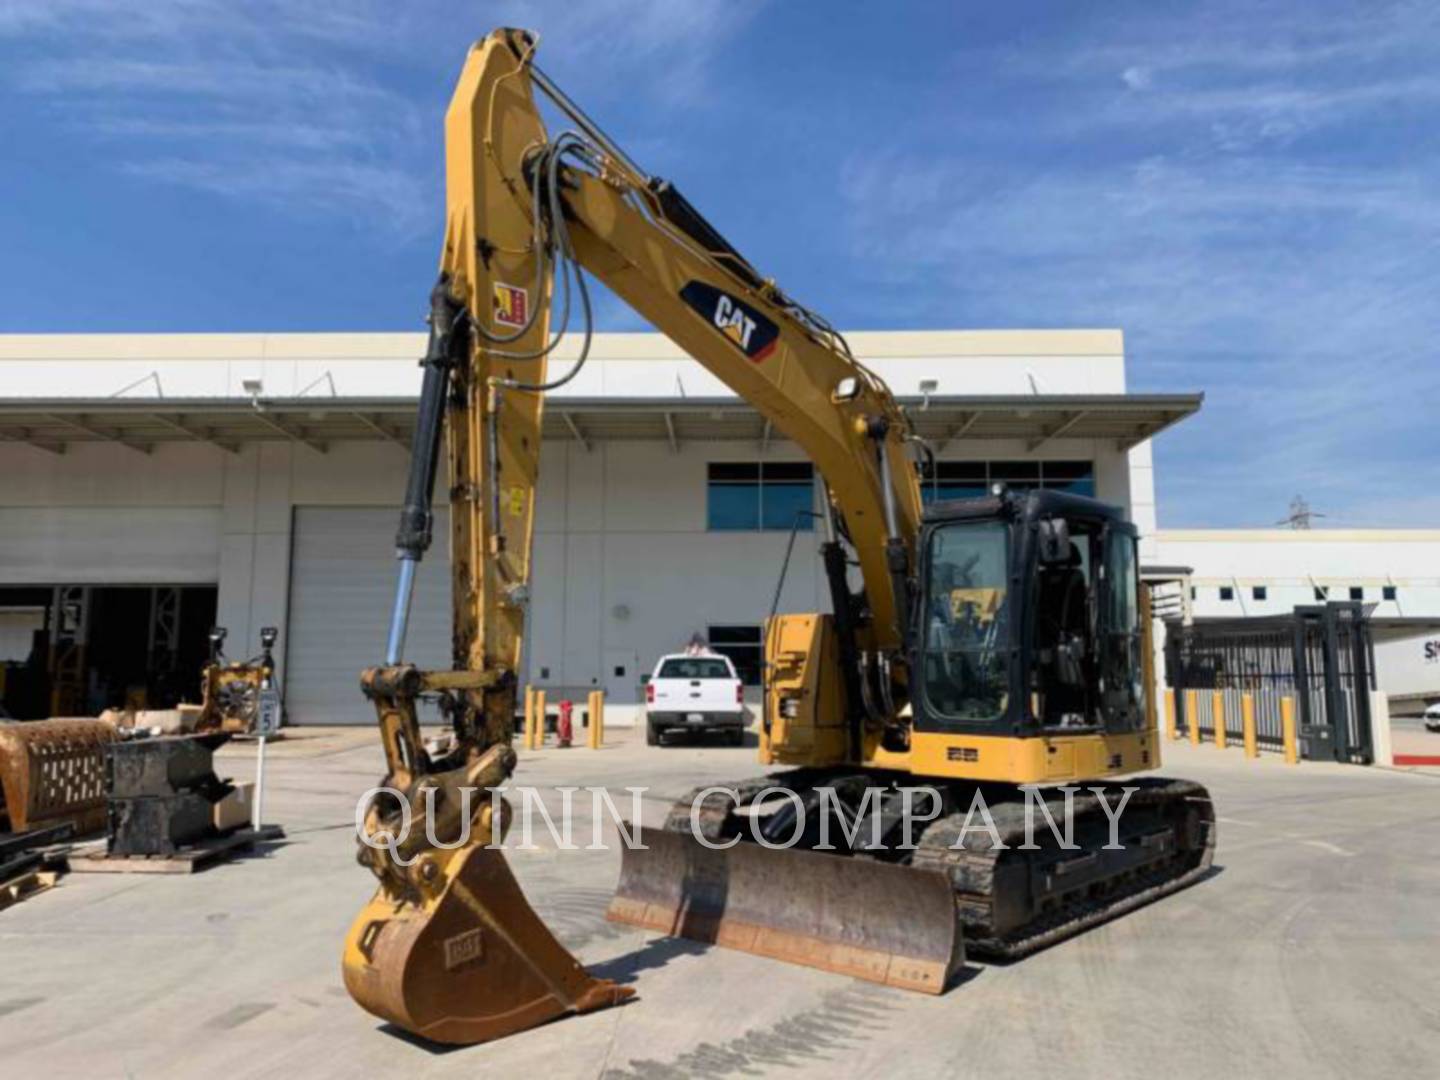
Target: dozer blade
475,963
53,771
871,920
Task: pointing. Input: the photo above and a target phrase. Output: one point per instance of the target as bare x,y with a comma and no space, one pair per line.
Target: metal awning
139,424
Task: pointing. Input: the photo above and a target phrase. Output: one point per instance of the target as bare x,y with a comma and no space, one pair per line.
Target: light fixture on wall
927,387
253,388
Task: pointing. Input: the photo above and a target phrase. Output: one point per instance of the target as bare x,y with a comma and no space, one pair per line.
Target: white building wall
620,365
1291,563
625,568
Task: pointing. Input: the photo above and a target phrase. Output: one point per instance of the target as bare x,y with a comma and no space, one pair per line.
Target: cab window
966,641
1122,668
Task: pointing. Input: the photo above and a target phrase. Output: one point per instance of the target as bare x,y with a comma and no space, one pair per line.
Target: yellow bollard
1247,718
1170,732
597,719
539,720
529,718
1217,713
1192,715
1287,730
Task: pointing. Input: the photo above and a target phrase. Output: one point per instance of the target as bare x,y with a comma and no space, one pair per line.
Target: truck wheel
652,737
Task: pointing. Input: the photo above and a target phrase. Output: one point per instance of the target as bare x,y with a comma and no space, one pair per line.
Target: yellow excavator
989,653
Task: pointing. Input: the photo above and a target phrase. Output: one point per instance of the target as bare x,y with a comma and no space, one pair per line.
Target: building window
1322,593
954,480
971,479
1259,592
1389,592
1357,592
1076,477
745,648
747,496
1227,593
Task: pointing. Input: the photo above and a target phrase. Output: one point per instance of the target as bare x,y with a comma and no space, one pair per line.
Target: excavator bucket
53,772
472,964
870,920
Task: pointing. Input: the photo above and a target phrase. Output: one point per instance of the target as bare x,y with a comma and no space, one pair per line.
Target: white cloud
1137,77
1291,277
281,101
241,101
666,49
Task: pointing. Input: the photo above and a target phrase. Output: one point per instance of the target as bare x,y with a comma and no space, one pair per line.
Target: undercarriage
1023,872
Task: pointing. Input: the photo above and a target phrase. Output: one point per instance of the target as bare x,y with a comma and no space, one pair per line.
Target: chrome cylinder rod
400,616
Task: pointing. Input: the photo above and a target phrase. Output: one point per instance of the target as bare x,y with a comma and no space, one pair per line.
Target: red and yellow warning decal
511,305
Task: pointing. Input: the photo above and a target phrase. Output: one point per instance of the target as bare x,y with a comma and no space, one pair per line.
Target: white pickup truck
696,692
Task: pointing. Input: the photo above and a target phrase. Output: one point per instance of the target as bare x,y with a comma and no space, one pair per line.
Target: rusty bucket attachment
878,921
469,964
53,771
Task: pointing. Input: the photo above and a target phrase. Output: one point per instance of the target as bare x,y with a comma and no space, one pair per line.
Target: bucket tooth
871,920
472,964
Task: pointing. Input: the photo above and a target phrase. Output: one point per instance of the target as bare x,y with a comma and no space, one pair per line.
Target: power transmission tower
1300,514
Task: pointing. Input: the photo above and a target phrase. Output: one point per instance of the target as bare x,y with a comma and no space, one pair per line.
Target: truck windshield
695,667
966,639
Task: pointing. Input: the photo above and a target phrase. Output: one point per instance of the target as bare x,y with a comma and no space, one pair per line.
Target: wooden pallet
185,861
25,886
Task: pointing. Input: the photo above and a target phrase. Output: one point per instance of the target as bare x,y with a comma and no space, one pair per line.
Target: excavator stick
472,964
53,771
870,920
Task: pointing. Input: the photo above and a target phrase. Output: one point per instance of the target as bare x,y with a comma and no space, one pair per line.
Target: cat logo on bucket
743,326
463,948
511,305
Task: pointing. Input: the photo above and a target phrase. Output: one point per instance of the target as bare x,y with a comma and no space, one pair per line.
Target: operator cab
1029,617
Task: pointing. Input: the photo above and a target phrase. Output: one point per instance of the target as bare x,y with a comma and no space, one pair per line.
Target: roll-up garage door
342,587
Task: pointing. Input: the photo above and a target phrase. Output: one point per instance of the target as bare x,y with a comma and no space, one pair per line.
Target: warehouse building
1395,573
155,484
152,484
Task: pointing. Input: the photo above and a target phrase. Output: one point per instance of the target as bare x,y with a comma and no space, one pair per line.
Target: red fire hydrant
565,728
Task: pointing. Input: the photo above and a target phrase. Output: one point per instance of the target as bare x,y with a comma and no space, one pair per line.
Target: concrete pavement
1314,948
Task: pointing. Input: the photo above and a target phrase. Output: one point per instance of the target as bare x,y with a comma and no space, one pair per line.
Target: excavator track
1011,898
1013,902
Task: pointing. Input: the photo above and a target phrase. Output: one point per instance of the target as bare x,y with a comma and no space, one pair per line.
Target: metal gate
1322,656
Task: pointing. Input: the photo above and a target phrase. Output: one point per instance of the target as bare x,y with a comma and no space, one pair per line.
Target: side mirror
1054,542
268,635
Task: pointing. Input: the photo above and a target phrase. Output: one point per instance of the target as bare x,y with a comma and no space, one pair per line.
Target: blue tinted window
1084,485
974,479
780,503
944,491
747,495
1076,477
733,506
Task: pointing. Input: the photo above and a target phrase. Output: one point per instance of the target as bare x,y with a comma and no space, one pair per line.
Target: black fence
1322,657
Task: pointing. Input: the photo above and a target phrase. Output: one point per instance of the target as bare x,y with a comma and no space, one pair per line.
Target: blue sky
1250,190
